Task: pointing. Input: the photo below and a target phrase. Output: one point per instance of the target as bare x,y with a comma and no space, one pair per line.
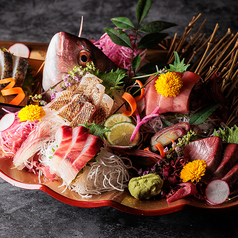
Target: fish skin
64,53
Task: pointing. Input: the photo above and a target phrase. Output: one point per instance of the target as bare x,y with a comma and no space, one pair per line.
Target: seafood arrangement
169,134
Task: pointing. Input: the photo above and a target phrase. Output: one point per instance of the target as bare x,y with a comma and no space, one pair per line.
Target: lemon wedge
120,134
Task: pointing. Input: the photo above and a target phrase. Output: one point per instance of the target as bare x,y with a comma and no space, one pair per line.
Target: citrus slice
120,134
116,118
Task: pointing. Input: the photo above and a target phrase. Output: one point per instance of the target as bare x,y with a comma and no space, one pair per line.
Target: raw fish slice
84,115
91,148
97,94
209,150
20,66
6,65
229,159
63,138
103,111
64,98
70,111
178,104
232,176
80,135
41,133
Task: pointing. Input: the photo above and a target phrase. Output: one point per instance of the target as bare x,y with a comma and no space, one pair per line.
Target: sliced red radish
19,49
217,191
6,121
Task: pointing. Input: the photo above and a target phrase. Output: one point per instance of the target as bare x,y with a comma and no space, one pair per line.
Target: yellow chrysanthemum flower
169,84
31,113
193,171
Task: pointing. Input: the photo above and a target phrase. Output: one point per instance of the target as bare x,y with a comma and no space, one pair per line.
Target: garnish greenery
111,80
178,65
202,114
95,129
150,33
229,135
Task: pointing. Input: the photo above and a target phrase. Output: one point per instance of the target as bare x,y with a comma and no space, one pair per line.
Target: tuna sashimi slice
91,148
209,150
232,176
80,135
63,137
229,159
178,104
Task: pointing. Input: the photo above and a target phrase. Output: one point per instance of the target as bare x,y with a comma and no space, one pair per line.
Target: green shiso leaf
178,65
142,9
151,40
123,23
229,135
96,129
201,115
119,37
156,26
111,80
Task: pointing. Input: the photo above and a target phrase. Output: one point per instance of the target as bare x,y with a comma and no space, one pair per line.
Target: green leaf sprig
152,30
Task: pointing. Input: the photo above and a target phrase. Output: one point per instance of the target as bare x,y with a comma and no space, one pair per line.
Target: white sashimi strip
41,134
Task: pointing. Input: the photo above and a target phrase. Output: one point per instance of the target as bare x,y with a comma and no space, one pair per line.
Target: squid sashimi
41,133
179,104
63,138
91,148
80,135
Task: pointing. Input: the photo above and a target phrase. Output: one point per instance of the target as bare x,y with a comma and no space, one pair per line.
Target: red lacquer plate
122,201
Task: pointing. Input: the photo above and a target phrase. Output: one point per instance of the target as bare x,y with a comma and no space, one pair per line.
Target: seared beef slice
229,159
208,149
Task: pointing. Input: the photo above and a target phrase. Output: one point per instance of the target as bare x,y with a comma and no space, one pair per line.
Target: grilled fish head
66,51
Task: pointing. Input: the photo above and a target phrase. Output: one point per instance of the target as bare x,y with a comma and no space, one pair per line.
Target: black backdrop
26,213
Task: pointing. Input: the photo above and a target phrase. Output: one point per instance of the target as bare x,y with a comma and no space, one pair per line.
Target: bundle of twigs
209,56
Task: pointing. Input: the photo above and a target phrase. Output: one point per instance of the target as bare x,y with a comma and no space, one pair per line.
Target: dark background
25,213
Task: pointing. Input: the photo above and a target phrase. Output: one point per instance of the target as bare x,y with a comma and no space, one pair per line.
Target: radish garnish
6,121
20,49
217,191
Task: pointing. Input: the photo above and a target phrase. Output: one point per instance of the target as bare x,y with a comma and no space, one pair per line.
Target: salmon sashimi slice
80,135
91,148
63,138
179,104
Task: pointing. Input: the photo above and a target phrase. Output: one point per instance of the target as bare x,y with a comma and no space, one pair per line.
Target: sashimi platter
137,120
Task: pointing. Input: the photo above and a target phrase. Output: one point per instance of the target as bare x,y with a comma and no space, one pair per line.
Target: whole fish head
66,51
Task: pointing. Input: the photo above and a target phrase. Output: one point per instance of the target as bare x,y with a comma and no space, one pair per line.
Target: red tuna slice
187,189
179,104
209,150
91,147
232,176
229,159
80,135
64,138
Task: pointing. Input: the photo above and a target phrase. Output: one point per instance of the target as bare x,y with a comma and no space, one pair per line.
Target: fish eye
84,58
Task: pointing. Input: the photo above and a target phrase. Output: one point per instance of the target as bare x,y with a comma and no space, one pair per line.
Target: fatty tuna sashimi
63,138
91,148
179,104
229,159
209,150
80,135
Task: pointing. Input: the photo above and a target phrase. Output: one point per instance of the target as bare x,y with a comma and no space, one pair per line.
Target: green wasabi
146,186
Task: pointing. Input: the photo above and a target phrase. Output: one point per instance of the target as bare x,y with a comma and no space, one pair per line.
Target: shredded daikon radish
107,174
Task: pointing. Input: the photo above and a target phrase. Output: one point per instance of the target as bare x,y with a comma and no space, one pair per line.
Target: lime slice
120,134
116,118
